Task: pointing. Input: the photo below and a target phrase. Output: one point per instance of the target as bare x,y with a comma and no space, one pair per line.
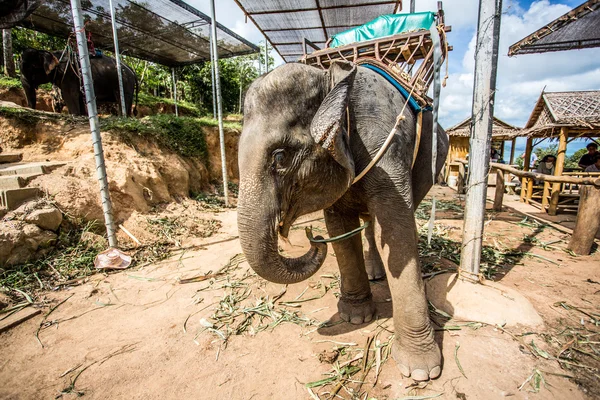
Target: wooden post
484,90
545,195
529,191
460,179
512,151
526,161
558,170
588,220
499,196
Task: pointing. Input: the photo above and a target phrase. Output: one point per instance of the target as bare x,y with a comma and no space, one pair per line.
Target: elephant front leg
414,349
356,302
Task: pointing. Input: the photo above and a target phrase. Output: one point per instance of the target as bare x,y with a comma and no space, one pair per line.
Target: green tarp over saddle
385,25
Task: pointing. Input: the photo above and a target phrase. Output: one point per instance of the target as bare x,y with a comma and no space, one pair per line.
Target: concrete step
10,157
13,198
30,168
16,181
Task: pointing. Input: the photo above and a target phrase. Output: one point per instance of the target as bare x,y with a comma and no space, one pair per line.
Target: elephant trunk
258,227
30,94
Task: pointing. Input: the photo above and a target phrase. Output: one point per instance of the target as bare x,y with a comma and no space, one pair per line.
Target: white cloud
521,79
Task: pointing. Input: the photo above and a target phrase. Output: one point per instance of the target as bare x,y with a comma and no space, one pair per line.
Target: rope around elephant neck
387,142
343,236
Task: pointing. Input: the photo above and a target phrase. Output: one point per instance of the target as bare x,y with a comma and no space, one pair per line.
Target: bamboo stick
594,181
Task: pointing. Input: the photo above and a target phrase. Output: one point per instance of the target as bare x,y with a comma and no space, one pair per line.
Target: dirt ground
143,334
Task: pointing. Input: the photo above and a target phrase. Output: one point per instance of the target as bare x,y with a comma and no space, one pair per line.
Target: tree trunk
9,63
588,220
240,103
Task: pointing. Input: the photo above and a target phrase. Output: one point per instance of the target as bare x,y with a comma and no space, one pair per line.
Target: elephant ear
327,127
49,61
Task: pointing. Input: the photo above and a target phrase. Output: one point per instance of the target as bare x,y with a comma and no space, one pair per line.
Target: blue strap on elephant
385,25
412,103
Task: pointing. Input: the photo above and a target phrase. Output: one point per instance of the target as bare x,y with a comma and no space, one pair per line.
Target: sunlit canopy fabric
169,32
286,23
385,25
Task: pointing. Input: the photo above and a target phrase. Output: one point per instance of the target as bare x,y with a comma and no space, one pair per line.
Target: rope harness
383,70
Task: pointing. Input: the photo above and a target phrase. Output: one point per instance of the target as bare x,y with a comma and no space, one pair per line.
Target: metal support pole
118,58
484,88
212,73
266,55
90,98
412,6
174,91
219,102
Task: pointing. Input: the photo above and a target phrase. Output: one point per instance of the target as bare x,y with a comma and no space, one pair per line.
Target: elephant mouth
286,220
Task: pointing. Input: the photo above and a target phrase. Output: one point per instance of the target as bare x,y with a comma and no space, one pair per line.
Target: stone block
46,218
12,198
11,182
10,157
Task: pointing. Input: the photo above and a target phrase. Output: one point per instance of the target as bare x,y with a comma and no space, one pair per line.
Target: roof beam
319,8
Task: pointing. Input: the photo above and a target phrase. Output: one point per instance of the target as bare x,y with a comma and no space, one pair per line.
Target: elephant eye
279,158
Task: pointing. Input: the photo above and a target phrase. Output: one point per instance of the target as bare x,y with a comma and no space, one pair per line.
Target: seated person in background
595,167
546,166
494,155
587,159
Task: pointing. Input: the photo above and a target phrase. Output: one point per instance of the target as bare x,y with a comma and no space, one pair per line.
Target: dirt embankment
142,173
16,95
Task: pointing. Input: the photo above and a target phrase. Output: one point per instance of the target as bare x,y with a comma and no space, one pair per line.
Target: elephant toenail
419,375
368,318
356,320
345,317
435,372
404,370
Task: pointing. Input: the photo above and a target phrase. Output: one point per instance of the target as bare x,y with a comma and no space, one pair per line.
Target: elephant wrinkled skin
297,155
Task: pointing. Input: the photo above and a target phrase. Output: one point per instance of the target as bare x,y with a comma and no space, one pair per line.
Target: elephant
41,66
307,133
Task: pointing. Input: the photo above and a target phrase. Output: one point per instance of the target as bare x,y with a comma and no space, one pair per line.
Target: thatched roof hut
577,29
500,129
578,111
461,132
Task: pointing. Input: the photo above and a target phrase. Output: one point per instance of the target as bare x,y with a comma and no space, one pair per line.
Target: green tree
573,161
23,38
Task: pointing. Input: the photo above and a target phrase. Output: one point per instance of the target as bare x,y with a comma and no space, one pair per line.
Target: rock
488,302
94,240
21,243
46,218
5,301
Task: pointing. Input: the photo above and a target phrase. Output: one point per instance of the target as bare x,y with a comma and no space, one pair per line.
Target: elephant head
294,159
37,67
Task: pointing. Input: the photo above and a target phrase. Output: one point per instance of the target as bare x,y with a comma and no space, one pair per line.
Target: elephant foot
374,267
420,362
356,311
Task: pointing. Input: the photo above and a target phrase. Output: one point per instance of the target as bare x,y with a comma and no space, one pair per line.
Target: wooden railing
588,215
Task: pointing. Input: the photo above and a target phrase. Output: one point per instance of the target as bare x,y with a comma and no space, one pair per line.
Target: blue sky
520,79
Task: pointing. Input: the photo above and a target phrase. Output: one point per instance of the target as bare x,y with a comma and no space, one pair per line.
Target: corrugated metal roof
169,32
286,23
577,29
500,129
